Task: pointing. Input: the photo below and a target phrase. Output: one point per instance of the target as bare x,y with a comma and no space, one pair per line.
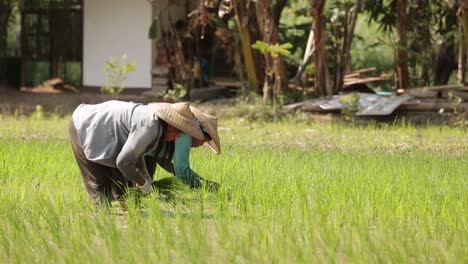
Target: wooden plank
423,92
41,89
365,80
433,105
60,84
360,73
161,70
462,95
366,70
441,91
385,105
352,75
440,87
226,82
69,88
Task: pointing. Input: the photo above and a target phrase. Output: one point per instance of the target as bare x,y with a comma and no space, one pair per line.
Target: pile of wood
370,104
355,81
52,86
450,98
364,76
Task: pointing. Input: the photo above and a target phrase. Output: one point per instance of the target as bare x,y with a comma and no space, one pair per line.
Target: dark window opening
51,42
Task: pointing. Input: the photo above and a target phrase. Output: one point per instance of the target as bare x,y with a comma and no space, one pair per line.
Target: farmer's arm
181,162
131,160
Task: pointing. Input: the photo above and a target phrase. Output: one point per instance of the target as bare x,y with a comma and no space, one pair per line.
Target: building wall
113,28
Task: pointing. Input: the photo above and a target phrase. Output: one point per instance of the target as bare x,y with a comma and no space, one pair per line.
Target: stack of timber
52,86
363,76
226,82
159,82
448,98
355,81
370,104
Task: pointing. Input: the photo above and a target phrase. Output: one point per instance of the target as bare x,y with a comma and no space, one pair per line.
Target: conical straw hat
210,124
179,116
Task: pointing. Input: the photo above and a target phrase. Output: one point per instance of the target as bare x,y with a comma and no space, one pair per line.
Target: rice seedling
291,192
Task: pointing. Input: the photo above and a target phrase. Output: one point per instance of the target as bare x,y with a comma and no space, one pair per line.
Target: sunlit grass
292,192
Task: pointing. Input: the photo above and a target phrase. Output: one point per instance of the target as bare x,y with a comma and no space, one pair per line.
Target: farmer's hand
212,186
147,186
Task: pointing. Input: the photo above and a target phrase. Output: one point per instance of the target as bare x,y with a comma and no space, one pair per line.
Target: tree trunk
446,61
5,12
461,58
246,42
463,14
420,43
262,24
345,54
280,68
401,39
275,71
322,76
254,36
278,9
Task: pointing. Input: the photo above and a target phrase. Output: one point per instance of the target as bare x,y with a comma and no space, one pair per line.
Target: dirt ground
13,101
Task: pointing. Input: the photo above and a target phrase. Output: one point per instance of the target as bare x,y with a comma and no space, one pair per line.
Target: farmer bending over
110,141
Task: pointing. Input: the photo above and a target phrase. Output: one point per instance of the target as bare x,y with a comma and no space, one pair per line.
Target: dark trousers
104,184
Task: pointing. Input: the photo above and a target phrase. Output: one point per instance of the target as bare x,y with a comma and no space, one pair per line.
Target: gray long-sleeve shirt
118,134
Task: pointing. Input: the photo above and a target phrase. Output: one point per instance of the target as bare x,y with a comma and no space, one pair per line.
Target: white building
112,28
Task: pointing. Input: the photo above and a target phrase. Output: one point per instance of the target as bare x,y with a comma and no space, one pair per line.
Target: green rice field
294,191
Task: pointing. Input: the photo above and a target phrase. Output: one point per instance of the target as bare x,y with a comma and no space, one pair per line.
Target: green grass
292,193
